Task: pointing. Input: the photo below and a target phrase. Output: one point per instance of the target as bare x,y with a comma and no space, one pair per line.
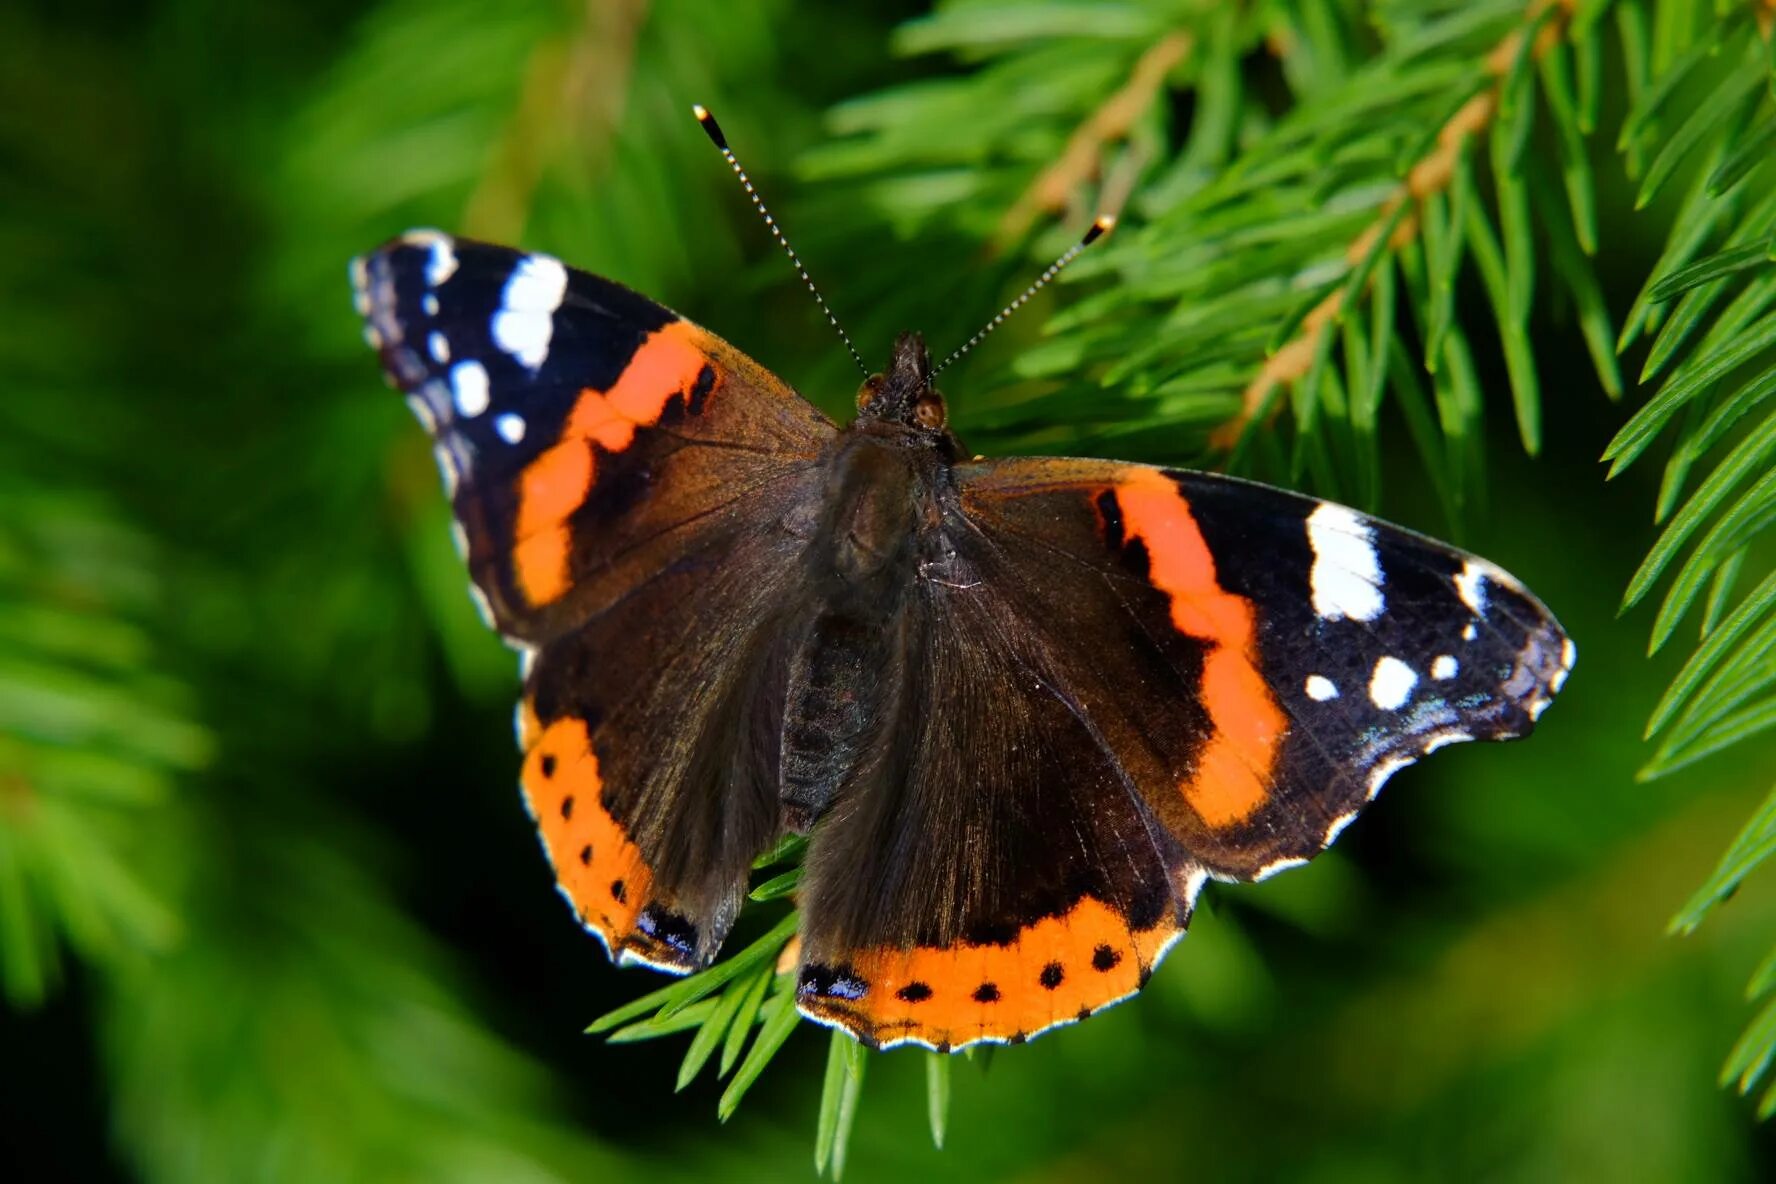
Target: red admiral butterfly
1023,708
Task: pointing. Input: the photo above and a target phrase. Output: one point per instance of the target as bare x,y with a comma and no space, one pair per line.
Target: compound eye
928,412
866,393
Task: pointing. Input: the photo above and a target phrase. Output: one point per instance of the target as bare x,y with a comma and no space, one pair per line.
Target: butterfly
1024,708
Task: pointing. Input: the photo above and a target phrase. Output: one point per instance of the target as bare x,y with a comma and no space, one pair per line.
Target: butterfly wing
626,486
584,432
995,870
650,752
1162,677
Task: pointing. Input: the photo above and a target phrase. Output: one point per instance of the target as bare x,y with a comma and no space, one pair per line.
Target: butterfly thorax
889,485
860,564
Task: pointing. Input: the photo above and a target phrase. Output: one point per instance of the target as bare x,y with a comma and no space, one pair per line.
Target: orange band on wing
1232,775
1055,971
667,364
599,870
552,487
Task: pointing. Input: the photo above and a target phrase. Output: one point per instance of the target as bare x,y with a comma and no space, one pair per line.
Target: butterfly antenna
714,131
1098,229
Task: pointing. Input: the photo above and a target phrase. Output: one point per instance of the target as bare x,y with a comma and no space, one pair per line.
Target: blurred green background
269,905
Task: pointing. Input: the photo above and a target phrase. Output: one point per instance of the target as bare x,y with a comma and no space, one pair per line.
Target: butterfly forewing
621,478
586,435
1316,650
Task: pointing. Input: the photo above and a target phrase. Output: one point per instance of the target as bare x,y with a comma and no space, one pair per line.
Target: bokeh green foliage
267,905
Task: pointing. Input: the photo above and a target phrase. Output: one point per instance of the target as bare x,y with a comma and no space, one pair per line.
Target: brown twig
18,800
582,86
1079,161
1429,175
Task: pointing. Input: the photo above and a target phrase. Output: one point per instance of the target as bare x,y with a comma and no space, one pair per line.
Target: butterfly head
903,392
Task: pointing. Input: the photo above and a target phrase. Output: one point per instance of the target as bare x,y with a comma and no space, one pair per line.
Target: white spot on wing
1391,684
429,302
524,335
442,264
510,427
525,322
1444,668
1320,688
537,284
1470,631
439,345
1569,654
1346,577
468,381
1470,585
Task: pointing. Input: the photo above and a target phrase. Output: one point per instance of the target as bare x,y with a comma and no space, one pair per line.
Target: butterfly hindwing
621,478
993,872
650,734
1137,679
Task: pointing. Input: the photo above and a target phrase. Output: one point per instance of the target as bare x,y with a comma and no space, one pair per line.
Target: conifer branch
216,862
1545,21
1081,160
578,82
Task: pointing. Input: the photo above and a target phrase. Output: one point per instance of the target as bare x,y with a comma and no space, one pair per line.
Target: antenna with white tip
714,131
1100,227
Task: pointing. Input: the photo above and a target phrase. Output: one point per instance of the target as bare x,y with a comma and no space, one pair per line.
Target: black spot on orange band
972,991
590,849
